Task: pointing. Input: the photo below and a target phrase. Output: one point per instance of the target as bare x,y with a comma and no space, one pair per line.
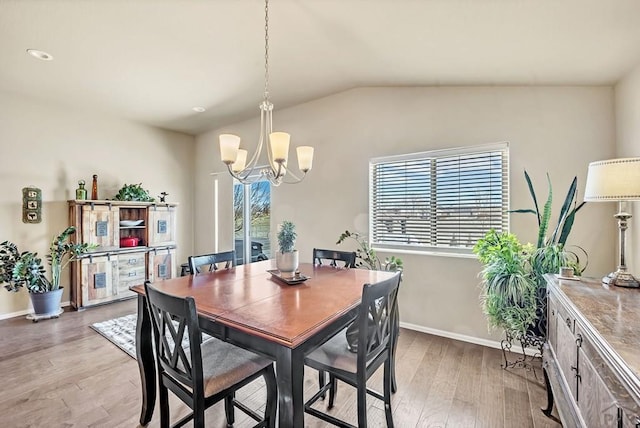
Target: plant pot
287,263
46,303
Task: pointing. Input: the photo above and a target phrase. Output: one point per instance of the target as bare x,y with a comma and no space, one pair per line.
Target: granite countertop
614,312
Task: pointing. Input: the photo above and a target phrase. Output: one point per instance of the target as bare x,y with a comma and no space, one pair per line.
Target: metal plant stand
524,361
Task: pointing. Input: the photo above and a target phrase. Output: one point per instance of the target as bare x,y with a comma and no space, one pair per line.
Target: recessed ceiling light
199,109
40,54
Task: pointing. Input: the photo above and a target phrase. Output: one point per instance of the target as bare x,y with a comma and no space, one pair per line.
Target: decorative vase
46,303
287,263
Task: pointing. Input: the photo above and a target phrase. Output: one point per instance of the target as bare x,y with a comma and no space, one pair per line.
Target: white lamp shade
229,145
613,180
305,158
241,161
279,146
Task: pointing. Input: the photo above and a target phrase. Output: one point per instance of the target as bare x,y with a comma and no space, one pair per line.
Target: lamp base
621,279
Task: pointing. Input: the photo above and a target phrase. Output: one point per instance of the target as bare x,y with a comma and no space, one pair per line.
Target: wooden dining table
249,307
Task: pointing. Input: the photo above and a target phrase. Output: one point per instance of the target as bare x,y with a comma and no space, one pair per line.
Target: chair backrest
196,263
175,328
376,319
348,258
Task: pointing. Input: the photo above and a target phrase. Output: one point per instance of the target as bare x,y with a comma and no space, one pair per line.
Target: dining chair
348,258
376,317
333,257
202,373
196,263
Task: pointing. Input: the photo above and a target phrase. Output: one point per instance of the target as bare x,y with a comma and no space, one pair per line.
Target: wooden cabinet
116,263
591,360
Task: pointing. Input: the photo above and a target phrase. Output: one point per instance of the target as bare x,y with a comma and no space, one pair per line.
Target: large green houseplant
25,269
513,287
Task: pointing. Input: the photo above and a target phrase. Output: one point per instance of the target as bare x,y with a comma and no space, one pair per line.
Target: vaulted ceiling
152,61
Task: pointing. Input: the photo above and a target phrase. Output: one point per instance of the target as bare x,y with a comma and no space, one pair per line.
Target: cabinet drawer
131,270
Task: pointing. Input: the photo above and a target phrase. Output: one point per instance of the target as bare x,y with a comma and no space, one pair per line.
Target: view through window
257,214
441,201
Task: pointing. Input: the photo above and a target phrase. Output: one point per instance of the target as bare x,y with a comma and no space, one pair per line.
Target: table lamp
616,180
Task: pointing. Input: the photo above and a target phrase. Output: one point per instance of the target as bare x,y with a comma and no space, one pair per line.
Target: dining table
253,308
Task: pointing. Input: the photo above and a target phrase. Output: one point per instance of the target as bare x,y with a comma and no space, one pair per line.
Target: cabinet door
597,406
567,351
161,227
99,276
631,418
101,226
131,271
552,322
162,264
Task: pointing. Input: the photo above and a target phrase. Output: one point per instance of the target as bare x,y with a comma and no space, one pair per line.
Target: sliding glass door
252,221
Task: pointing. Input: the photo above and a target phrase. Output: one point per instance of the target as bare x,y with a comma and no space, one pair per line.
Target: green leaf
533,194
546,215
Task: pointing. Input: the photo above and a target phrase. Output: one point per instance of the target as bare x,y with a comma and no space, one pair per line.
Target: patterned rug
120,331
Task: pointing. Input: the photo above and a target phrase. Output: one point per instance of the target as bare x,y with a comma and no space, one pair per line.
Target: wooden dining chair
211,261
335,258
375,337
202,373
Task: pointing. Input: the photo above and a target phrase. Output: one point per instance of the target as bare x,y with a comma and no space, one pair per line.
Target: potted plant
287,255
513,287
366,256
25,269
134,192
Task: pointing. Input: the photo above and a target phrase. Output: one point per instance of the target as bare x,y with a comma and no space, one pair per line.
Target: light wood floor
60,373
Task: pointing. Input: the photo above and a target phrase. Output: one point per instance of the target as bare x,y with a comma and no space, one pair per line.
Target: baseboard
464,338
27,311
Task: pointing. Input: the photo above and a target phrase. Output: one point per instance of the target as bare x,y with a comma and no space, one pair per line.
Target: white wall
558,130
52,148
627,108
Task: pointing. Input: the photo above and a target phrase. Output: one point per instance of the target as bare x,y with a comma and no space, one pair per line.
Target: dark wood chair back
376,322
201,383
335,258
175,327
210,262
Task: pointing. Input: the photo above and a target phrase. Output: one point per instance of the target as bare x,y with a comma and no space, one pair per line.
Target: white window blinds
441,200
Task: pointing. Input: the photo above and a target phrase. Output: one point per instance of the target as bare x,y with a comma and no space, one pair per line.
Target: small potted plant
287,256
24,269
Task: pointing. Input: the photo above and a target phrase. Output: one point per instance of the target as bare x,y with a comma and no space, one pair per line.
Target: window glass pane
259,221
444,200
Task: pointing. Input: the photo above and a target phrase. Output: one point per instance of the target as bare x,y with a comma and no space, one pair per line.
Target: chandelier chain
266,50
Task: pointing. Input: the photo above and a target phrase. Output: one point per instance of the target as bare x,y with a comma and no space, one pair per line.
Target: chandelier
277,143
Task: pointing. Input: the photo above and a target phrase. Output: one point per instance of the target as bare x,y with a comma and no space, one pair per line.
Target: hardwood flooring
61,373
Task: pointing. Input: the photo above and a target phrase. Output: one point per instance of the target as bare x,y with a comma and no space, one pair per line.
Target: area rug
120,331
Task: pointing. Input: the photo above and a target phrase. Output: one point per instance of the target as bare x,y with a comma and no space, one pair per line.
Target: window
256,215
440,201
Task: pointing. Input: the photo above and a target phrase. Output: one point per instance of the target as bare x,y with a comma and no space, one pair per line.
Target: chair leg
333,388
163,396
321,380
272,397
229,410
388,388
394,384
362,403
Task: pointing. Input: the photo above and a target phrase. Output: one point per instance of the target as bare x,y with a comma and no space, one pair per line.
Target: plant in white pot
287,255
24,269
